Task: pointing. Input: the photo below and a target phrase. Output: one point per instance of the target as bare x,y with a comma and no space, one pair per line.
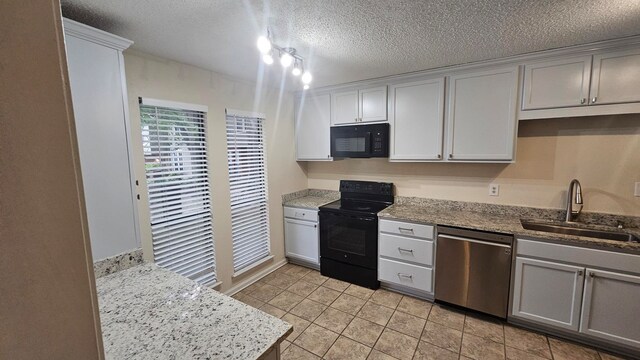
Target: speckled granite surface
503,221
117,263
310,199
152,313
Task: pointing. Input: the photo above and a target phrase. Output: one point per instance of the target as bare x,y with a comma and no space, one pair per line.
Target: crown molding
82,31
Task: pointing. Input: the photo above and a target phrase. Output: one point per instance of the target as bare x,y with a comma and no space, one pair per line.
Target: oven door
349,238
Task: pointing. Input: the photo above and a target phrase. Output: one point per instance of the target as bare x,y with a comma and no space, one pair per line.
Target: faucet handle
620,225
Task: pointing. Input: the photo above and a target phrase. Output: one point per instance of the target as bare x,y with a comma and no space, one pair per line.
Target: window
248,185
176,167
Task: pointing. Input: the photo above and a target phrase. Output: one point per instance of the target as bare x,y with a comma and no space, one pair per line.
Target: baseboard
407,291
255,277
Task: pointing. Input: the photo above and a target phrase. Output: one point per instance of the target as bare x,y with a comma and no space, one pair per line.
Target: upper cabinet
312,128
482,115
416,118
616,77
599,84
356,106
556,83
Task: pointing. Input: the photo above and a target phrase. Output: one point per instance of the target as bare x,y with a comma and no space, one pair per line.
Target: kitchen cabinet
589,293
416,118
548,292
358,106
100,107
615,77
556,83
600,83
406,257
302,236
610,299
482,115
313,123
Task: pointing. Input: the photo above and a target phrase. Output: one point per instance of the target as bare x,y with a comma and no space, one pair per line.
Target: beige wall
48,303
153,77
602,152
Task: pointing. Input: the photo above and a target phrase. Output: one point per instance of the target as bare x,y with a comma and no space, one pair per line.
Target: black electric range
349,232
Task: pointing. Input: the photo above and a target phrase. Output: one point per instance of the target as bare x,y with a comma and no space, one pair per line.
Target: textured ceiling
344,41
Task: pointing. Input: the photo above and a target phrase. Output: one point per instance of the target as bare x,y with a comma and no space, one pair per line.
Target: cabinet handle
583,100
315,226
356,119
592,274
439,156
580,272
405,250
450,156
593,101
401,229
405,275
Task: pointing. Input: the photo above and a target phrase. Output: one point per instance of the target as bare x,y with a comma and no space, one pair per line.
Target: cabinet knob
592,274
356,119
450,156
580,272
583,100
593,101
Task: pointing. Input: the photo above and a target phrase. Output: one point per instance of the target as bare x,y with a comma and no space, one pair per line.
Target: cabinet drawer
407,249
403,228
413,276
302,214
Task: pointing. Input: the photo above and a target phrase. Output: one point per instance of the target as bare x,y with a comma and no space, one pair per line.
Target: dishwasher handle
458,238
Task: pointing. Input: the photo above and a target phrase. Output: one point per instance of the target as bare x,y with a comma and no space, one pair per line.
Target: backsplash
117,263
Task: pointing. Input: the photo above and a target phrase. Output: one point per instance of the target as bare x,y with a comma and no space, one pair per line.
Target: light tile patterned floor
335,320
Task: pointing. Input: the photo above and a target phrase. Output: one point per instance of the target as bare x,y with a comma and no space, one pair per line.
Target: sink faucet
571,214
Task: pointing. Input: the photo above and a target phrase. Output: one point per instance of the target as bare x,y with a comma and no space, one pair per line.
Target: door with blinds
176,166
248,186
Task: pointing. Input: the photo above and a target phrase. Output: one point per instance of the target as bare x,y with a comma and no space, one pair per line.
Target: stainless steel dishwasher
473,269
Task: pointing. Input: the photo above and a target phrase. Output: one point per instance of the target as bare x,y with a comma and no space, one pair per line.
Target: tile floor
336,320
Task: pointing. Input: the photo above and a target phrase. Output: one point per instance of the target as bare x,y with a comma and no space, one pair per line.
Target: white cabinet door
611,307
313,122
615,77
301,240
548,293
96,77
556,83
373,104
482,115
344,107
416,117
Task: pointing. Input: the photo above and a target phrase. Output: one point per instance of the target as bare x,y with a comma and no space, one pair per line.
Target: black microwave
360,141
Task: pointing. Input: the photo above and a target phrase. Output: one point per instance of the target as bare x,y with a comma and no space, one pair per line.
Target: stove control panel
366,187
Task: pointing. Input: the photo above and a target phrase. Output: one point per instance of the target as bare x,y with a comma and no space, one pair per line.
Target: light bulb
267,58
306,77
306,86
264,44
296,70
286,59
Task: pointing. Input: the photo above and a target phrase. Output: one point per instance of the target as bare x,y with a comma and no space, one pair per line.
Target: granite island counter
148,312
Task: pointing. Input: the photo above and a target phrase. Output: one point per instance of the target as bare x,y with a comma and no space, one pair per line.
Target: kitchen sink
578,230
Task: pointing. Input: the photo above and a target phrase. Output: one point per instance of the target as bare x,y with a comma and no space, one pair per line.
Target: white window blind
248,184
175,153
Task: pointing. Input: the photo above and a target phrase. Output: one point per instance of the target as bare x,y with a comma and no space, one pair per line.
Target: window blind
176,166
248,185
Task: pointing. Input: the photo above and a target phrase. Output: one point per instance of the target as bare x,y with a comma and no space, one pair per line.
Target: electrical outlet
494,190
637,190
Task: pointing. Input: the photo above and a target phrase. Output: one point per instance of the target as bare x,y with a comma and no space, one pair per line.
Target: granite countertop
151,313
497,223
310,201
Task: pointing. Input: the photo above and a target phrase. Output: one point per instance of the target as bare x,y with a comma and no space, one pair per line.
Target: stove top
355,206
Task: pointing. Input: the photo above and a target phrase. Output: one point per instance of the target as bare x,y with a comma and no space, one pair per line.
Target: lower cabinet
406,257
301,236
591,293
611,307
548,292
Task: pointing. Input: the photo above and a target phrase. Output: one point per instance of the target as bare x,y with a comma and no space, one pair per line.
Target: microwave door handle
367,143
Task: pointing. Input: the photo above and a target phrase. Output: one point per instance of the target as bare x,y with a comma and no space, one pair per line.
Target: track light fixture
287,57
